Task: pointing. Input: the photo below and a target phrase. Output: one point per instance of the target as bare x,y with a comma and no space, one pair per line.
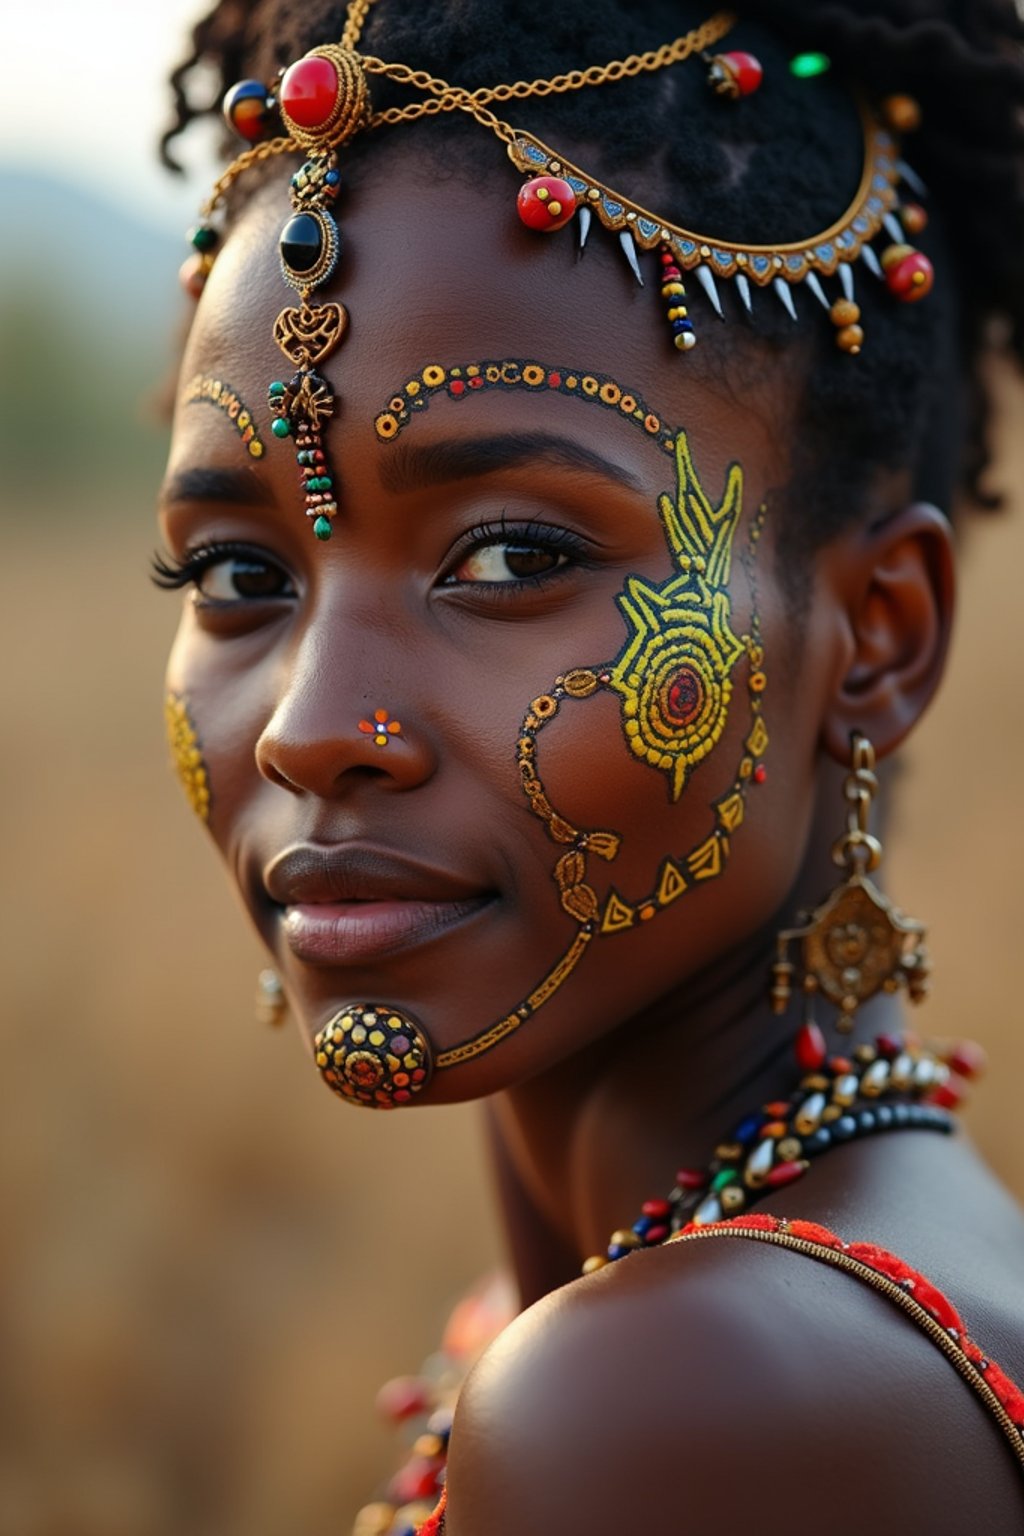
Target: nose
327,733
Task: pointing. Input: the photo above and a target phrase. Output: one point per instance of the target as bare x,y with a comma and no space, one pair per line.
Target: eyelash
552,539
170,574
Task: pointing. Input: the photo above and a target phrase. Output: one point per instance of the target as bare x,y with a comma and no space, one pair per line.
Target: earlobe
895,583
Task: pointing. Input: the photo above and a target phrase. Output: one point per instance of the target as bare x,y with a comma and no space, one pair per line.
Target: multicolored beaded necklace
894,1083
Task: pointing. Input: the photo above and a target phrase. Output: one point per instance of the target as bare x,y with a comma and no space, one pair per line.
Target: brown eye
508,561
243,576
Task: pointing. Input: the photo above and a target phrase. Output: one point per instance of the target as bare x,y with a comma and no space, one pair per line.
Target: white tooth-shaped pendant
743,289
760,1161
912,179
785,294
871,261
844,1089
629,247
846,278
708,1210
707,282
894,229
808,1116
902,1070
874,1079
814,284
924,1073
583,219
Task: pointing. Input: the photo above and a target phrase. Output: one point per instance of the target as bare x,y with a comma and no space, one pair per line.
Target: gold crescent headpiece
324,100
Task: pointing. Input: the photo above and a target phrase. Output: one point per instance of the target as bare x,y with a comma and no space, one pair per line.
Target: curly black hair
770,168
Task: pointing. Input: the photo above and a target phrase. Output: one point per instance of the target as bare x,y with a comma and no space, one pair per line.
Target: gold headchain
324,101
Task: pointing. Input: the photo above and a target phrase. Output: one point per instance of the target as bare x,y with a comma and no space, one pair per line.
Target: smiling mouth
352,932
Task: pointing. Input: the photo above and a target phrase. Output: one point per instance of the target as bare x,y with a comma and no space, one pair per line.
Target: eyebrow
407,466
236,487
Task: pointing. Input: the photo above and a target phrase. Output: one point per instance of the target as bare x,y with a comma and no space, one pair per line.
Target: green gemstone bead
277,388
806,65
322,527
203,237
720,1180
281,427
313,485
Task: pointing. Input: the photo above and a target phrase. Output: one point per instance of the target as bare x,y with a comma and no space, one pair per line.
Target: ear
894,588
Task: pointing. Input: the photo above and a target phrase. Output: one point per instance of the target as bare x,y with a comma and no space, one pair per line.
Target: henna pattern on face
672,676
186,755
204,389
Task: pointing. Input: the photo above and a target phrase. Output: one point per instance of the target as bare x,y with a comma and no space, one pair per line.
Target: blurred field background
208,1265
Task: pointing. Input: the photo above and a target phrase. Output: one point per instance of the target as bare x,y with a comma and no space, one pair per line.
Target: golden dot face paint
186,755
205,389
673,677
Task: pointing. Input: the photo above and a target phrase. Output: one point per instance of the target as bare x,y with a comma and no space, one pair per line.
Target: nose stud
381,727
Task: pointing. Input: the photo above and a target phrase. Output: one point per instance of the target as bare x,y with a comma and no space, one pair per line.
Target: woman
542,746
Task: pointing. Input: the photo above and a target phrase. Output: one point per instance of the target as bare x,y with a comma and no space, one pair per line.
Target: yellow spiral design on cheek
678,704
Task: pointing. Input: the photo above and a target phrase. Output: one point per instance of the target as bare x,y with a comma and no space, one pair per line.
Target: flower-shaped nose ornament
381,727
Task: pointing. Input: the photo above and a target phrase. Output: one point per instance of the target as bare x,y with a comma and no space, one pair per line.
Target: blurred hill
85,299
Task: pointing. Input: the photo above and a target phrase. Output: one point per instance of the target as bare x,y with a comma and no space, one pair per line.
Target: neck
580,1147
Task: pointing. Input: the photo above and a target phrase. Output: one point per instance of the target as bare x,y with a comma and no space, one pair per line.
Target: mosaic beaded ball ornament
375,1055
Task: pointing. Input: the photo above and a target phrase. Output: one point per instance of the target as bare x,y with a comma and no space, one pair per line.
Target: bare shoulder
701,1385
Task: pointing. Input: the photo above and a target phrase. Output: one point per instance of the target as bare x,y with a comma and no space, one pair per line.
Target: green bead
326,482
806,65
281,427
277,388
720,1180
203,237
302,457
322,527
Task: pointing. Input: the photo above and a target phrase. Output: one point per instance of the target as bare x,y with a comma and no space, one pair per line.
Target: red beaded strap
922,1301
435,1525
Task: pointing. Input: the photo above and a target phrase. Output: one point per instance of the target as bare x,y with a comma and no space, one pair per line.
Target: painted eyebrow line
407,466
236,487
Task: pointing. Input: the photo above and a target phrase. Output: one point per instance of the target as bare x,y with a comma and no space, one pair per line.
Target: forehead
438,269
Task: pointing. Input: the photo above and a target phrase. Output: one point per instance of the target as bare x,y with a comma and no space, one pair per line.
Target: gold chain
442,97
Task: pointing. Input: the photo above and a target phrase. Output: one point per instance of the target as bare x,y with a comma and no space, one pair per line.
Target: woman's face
404,828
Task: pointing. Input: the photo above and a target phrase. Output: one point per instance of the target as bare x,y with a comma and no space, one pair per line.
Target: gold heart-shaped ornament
308,334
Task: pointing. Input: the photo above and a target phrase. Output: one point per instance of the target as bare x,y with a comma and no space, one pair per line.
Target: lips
347,904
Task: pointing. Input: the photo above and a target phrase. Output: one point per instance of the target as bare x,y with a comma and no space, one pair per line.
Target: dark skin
726,1363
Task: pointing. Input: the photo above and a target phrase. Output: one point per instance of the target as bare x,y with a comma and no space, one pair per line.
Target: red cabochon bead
546,202
745,70
309,92
908,273
968,1059
809,1048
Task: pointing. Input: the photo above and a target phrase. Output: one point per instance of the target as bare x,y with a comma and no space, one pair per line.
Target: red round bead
948,1095
659,1208
909,277
691,1178
656,1235
969,1060
735,74
760,773
403,1397
746,71
546,202
809,1048
309,92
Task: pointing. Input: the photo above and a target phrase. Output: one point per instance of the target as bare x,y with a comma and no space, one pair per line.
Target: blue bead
818,1142
332,178
844,1127
866,1120
681,325
618,1251
748,1129
901,1114
883,1114
643,1226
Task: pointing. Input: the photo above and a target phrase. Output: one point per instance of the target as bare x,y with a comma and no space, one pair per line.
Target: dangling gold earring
856,944
271,1003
